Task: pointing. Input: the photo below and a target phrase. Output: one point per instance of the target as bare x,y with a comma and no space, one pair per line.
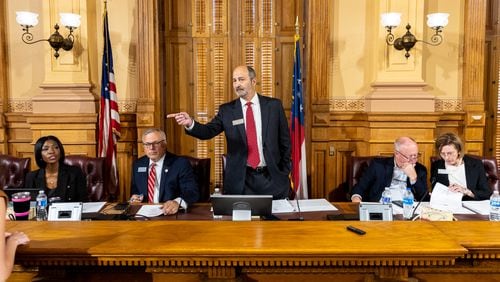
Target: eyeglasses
410,157
153,144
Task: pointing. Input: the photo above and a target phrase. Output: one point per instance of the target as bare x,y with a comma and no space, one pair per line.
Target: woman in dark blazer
460,173
58,179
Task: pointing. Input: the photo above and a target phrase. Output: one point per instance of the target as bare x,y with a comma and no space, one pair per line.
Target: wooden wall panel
20,138
318,165
287,12
266,67
202,89
179,67
318,51
126,154
284,68
178,18
221,86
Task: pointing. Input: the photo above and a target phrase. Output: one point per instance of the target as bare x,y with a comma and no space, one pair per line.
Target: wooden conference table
202,249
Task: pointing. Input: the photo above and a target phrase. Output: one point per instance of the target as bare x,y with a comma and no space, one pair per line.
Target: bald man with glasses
397,173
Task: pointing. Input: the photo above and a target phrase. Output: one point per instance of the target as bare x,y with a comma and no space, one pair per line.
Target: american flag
297,132
109,118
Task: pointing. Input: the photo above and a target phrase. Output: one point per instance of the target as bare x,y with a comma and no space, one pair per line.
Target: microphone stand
300,218
419,202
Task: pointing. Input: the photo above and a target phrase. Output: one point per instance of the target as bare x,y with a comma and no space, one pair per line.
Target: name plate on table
375,211
65,212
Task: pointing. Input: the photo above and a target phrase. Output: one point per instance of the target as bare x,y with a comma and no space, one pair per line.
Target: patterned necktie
151,183
253,158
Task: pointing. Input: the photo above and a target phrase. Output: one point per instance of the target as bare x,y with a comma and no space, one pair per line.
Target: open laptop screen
259,204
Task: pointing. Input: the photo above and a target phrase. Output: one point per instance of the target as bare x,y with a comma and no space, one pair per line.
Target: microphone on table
300,218
420,201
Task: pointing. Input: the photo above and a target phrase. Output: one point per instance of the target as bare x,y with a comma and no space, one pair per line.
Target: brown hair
448,139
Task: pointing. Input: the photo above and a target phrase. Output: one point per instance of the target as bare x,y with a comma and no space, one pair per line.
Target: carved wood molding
148,64
474,47
318,51
241,261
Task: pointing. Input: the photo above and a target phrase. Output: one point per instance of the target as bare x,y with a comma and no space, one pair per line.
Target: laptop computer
259,204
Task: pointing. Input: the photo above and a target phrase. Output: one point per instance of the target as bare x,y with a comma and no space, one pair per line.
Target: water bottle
495,206
41,206
216,192
408,203
386,196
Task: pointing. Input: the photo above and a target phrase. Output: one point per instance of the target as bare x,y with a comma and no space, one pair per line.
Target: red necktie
151,183
253,158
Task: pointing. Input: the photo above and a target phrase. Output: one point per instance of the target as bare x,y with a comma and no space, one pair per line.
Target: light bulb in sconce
28,20
436,21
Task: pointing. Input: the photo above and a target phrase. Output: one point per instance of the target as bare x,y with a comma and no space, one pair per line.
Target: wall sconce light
71,21
436,21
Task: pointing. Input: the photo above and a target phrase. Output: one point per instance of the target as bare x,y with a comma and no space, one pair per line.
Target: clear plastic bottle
495,206
386,196
41,206
216,192
408,203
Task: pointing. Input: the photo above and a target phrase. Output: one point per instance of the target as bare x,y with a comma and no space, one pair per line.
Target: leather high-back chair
490,167
357,166
13,171
201,168
95,173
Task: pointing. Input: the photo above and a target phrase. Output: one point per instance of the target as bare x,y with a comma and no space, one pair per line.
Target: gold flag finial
297,25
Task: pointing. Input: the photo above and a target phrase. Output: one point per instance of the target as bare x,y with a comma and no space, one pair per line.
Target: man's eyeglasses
410,157
153,144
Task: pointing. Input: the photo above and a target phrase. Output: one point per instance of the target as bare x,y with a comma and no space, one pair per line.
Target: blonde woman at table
9,245
458,172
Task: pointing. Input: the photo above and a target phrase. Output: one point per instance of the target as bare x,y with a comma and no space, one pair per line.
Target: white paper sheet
150,210
443,199
90,207
283,206
480,207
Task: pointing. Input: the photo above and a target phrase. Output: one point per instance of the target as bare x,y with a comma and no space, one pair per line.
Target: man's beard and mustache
241,92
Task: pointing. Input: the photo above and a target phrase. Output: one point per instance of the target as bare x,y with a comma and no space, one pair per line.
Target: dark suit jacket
71,184
475,177
275,142
379,175
177,179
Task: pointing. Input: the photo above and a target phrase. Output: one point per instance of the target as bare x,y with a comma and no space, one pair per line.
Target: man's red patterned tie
151,183
253,158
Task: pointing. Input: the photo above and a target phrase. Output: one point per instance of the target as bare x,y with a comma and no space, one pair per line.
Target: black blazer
275,142
475,177
177,179
379,175
71,184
